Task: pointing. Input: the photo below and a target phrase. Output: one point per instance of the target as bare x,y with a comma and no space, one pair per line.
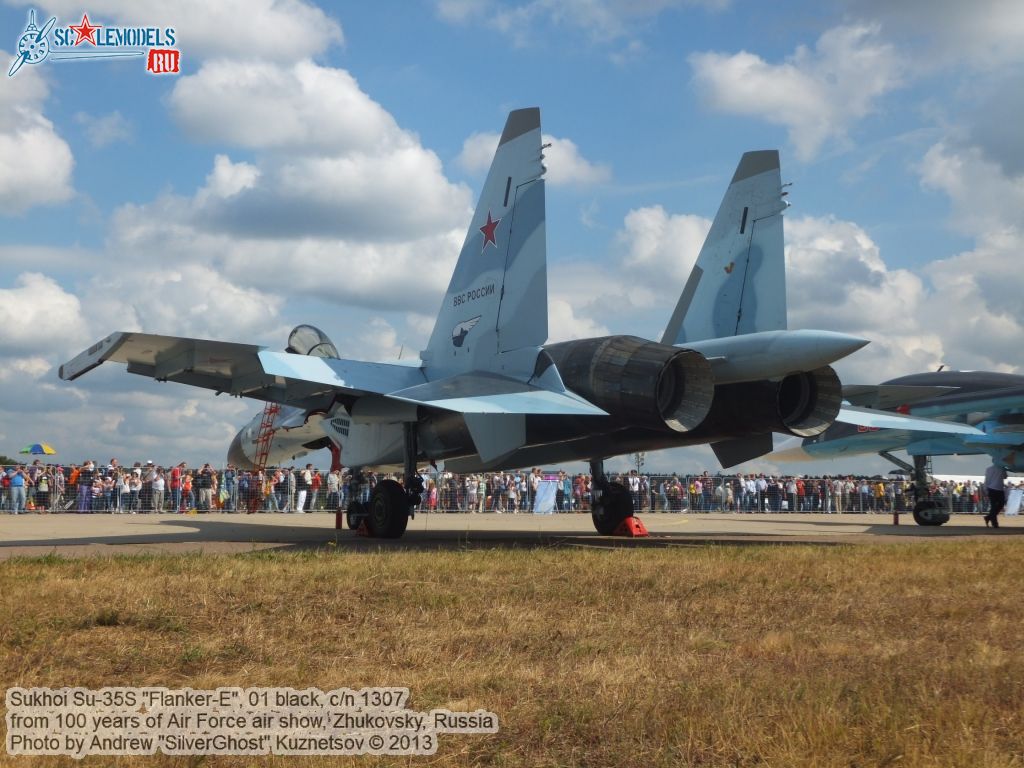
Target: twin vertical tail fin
497,299
738,284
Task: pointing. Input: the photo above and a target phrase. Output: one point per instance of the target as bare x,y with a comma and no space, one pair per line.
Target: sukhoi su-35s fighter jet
489,392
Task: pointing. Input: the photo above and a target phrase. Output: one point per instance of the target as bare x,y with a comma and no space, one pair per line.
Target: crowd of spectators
148,488
514,492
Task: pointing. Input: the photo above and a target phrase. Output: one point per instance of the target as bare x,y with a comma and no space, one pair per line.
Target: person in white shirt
471,493
634,489
762,491
303,481
333,486
995,478
159,486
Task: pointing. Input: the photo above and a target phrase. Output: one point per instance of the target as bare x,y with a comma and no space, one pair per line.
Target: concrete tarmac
73,535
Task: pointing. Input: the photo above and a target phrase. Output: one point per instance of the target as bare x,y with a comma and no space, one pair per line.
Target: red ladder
263,439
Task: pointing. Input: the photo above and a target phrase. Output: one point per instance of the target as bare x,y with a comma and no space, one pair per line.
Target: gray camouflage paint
738,285
504,281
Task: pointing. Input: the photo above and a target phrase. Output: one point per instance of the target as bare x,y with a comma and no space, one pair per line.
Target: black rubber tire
389,510
614,506
355,514
928,513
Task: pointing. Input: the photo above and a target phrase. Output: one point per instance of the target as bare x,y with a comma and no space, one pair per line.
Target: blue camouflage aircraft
967,413
490,393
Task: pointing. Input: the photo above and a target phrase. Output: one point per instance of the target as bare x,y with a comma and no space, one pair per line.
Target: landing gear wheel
355,514
929,513
614,506
389,510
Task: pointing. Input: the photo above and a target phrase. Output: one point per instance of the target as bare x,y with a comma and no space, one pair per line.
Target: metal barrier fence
149,488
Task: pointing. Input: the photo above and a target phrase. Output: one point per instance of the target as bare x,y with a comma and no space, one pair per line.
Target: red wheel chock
631,528
363,529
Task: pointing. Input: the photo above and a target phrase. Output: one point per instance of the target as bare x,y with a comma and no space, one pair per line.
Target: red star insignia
86,32
488,230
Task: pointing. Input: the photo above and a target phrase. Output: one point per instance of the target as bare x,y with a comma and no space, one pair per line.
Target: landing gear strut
610,503
926,511
357,511
391,505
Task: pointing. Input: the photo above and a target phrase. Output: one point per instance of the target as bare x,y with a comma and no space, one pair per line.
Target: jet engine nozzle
802,404
808,402
641,382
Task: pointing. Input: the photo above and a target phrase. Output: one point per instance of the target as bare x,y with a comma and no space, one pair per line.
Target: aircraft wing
311,382
887,396
244,370
874,419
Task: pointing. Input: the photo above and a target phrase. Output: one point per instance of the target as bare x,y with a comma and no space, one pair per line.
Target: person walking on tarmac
995,476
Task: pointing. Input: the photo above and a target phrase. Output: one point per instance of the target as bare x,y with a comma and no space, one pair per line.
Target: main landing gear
387,514
610,503
929,512
926,511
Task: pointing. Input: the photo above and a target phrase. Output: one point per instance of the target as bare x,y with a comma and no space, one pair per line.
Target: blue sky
316,163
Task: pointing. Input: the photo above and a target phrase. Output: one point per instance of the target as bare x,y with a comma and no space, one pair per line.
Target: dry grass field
710,656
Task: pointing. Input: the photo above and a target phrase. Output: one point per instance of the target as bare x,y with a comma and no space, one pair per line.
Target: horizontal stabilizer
890,395
489,393
356,376
869,417
733,452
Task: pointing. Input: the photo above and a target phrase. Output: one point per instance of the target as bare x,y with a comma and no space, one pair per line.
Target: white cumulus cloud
566,166
38,315
983,33
228,179
332,161
985,283
35,161
660,246
816,94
